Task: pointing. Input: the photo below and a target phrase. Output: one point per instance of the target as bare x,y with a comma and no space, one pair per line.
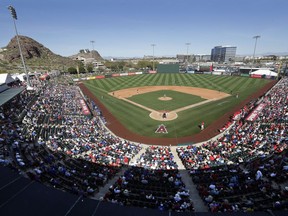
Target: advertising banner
90,78
100,77
115,75
85,108
123,74
256,75
254,114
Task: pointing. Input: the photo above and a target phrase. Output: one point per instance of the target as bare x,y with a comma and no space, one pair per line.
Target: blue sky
127,28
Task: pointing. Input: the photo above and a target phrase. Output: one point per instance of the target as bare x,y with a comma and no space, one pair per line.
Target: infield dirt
201,92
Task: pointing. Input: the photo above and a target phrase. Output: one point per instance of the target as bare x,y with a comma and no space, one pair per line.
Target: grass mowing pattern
179,100
138,121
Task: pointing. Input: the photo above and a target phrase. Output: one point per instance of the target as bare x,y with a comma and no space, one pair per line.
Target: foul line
176,110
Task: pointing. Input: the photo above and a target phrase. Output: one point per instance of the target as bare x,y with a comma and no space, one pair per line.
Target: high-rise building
223,54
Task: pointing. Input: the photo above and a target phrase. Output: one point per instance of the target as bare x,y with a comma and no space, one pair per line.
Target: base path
212,130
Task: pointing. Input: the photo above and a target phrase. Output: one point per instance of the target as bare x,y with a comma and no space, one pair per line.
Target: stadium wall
168,68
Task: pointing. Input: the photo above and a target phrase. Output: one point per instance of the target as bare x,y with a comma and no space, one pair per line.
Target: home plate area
163,115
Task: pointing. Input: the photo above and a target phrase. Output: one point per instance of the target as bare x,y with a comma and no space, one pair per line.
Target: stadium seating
55,143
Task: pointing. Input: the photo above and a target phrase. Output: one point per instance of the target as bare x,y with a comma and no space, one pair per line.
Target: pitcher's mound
158,115
165,98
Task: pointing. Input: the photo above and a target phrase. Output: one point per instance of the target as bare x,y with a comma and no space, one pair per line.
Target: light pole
14,16
187,44
153,45
92,42
256,38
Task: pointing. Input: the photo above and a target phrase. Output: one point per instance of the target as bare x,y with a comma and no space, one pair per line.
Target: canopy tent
6,78
265,72
20,76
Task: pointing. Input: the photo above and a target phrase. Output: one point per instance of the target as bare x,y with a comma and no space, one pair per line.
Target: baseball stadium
145,144
137,104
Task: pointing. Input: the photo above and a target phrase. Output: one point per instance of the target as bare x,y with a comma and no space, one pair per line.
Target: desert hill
36,56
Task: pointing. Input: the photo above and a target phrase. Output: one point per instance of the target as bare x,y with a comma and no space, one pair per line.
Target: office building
223,54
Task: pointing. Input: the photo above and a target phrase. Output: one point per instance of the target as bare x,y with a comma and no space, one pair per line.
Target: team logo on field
161,129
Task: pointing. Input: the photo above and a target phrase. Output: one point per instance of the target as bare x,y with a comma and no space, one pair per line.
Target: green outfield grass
179,100
138,121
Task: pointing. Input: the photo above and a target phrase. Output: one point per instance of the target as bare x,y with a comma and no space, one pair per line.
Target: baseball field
188,100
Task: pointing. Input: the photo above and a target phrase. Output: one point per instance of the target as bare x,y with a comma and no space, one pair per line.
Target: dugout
168,68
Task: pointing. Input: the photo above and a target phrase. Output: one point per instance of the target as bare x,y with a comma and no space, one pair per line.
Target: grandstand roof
9,94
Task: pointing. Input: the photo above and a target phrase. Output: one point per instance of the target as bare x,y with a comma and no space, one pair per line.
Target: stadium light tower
92,42
14,17
153,45
187,44
256,38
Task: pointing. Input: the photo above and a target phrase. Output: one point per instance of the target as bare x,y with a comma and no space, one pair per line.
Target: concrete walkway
187,180
105,189
132,161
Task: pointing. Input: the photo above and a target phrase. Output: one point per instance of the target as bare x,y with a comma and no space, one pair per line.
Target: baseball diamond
123,101
207,94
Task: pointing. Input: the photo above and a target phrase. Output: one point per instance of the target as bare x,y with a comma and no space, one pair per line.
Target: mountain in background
37,57
264,54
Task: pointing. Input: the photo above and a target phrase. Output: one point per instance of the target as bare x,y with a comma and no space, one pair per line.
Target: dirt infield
201,92
209,95
212,130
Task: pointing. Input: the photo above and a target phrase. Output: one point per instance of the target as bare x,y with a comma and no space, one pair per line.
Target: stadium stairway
199,205
137,156
103,190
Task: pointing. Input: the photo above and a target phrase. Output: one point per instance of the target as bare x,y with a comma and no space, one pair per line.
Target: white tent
21,76
265,72
6,78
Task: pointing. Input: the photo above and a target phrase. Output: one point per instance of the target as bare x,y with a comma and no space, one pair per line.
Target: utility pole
153,45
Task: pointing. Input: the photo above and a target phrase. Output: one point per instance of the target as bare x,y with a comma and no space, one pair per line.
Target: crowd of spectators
57,120
59,144
244,143
153,181
156,157
11,111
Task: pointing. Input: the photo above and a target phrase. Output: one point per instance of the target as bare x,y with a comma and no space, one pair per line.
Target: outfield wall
154,72
168,68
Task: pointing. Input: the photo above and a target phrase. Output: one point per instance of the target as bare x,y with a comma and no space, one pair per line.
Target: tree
89,67
82,69
121,65
72,70
115,66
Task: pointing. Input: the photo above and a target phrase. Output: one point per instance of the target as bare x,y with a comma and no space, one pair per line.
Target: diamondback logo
161,129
